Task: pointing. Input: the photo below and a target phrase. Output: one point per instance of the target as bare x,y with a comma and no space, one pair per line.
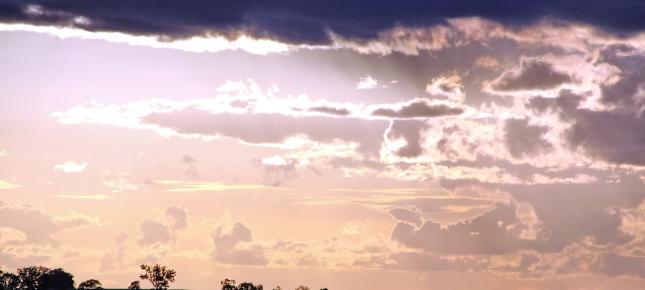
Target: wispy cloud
189,186
83,196
7,185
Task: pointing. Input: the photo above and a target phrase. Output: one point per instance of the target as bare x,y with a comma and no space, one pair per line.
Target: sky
340,144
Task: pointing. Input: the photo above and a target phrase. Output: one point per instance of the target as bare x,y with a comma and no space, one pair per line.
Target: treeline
159,277
229,284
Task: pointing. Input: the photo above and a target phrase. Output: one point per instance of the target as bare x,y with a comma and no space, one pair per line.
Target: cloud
330,110
367,83
627,92
7,185
83,196
196,186
70,167
523,139
177,217
154,232
532,74
161,232
307,23
487,234
278,169
410,132
229,247
114,258
39,227
271,128
410,215
447,86
417,109
190,164
613,264
596,131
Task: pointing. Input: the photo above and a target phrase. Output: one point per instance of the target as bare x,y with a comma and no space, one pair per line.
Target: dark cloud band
308,21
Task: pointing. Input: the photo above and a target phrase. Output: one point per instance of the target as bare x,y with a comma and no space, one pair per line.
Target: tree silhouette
9,281
228,284
277,288
249,286
90,284
302,287
135,285
56,279
159,276
29,277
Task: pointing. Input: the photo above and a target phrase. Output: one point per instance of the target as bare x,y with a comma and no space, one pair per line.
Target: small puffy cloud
119,181
231,247
177,217
367,83
532,74
154,232
163,230
417,109
70,167
3,153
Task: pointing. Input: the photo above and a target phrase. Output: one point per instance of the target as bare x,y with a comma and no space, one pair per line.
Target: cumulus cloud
410,131
597,131
532,74
177,217
627,92
410,215
154,232
70,167
490,233
230,247
163,231
417,109
39,227
523,139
